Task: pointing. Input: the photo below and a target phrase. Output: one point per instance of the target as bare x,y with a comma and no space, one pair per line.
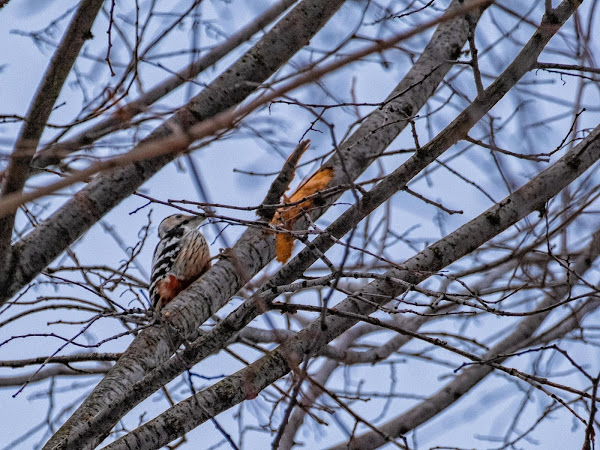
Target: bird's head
176,222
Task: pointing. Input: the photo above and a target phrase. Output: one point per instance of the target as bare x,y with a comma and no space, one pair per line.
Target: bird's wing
192,260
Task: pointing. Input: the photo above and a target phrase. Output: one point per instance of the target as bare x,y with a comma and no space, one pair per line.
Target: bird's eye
179,216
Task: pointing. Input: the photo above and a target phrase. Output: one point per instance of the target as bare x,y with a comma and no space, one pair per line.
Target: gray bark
470,377
255,249
36,250
54,153
48,240
446,251
248,382
41,106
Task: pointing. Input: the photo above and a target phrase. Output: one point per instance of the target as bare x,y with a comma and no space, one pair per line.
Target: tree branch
53,153
255,248
289,35
453,391
249,381
40,109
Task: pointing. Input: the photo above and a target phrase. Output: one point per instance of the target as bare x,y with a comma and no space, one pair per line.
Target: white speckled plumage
181,256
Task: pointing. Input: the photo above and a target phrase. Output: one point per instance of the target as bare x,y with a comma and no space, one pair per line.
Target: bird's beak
197,220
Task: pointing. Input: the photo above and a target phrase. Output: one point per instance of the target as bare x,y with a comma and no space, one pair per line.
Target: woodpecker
180,257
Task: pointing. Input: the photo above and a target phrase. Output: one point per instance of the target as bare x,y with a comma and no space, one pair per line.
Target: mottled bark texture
519,339
104,192
255,248
51,237
54,153
248,382
16,173
466,245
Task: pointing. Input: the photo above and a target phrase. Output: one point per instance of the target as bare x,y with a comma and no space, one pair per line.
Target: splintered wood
286,217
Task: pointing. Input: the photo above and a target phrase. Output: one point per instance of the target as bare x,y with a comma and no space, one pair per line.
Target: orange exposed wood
287,216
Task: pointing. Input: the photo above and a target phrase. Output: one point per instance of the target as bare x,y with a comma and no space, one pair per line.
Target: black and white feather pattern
182,252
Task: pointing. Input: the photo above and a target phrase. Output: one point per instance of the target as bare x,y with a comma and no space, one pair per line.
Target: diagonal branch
255,248
53,154
37,249
460,385
346,356
368,203
104,192
248,382
177,138
40,109
282,182
458,244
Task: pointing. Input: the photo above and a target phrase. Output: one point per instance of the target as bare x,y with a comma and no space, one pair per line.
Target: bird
181,257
